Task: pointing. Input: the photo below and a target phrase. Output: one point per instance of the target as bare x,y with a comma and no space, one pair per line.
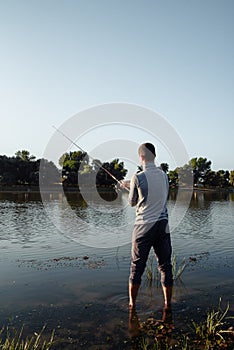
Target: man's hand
124,185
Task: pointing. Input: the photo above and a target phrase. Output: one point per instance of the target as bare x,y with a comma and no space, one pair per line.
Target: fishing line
94,161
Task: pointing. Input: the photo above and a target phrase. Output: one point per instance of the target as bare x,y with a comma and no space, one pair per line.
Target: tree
116,168
78,162
164,167
223,178
185,174
86,169
96,164
49,173
200,168
211,179
24,155
217,179
231,177
71,163
173,178
73,160
24,170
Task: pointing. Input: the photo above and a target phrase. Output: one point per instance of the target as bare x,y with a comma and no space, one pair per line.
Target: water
44,266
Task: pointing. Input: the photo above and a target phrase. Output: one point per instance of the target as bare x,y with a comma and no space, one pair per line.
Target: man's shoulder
160,171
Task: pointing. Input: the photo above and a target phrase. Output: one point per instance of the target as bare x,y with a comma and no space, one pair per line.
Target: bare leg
167,292
133,291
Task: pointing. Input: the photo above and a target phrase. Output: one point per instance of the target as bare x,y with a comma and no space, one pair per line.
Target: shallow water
47,262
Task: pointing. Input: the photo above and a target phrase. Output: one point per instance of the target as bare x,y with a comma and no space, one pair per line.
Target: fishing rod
94,161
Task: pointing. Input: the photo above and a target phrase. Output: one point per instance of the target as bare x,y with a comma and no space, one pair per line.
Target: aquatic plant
213,333
16,342
143,344
183,343
211,329
152,274
177,270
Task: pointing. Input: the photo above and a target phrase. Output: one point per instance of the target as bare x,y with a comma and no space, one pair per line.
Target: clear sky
59,57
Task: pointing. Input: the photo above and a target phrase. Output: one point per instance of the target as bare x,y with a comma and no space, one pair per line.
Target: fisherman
149,192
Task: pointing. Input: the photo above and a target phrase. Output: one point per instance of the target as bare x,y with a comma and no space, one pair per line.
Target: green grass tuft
16,341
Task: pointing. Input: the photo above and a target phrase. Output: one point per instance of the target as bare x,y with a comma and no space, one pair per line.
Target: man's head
147,152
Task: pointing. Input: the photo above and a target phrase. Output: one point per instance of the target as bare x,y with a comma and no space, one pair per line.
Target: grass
16,341
152,274
177,270
211,330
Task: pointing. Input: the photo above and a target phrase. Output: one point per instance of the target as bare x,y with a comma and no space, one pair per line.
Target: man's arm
133,193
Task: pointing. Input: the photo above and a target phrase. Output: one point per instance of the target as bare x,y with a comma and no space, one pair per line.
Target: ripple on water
26,231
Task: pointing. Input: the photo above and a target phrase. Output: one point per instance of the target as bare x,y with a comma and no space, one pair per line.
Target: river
73,277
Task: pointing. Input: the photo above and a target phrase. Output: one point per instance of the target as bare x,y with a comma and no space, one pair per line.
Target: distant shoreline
51,189
59,189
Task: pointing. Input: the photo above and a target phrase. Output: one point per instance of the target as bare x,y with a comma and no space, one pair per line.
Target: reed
212,327
177,270
152,274
16,341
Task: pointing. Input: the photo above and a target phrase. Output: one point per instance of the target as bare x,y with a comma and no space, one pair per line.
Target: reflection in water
155,329
204,195
231,196
23,220
134,324
167,315
212,195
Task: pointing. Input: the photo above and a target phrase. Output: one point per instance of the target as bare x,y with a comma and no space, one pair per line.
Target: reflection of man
136,327
149,192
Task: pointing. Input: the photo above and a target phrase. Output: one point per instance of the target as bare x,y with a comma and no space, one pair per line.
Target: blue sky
175,57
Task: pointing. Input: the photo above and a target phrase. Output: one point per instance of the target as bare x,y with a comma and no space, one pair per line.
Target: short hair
147,150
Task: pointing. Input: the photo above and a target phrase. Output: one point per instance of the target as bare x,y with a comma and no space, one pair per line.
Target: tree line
203,175
24,169
78,168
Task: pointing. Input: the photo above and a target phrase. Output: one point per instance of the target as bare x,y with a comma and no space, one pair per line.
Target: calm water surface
41,265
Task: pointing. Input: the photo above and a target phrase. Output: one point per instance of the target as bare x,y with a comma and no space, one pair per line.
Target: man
149,192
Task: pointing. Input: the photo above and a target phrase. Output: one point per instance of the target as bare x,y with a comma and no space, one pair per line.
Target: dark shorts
144,238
